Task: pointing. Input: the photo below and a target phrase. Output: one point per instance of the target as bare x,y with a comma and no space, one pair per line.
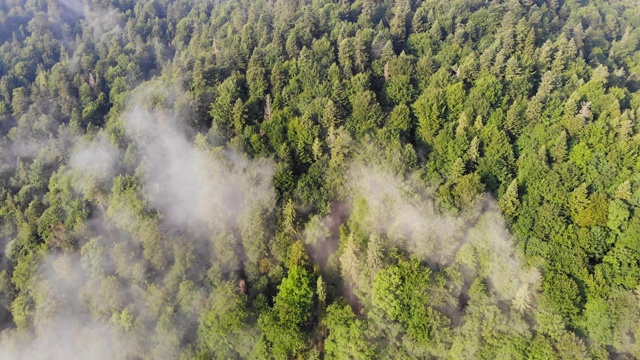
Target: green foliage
347,335
399,291
433,108
618,215
282,325
223,329
509,202
366,116
565,294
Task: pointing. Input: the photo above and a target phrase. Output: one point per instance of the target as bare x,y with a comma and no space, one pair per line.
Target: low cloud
477,241
106,300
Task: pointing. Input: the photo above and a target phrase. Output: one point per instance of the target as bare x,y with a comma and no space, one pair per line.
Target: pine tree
321,290
375,255
623,192
512,69
419,21
578,205
346,54
509,202
398,25
350,265
436,31
289,218
558,151
530,44
457,170
522,299
534,110
330,115
512,122
478,124
463,124
369,8
257,76
361,55
578,35
239,117
292,46
474,149
317,149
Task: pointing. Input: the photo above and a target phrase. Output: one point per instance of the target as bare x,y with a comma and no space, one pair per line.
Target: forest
319,179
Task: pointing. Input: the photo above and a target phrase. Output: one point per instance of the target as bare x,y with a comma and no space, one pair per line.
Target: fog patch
109,299
402,209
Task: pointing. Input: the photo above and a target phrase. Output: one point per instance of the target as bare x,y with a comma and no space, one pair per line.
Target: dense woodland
307,179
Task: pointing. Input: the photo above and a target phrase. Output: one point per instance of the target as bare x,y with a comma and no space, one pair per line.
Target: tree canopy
201,179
